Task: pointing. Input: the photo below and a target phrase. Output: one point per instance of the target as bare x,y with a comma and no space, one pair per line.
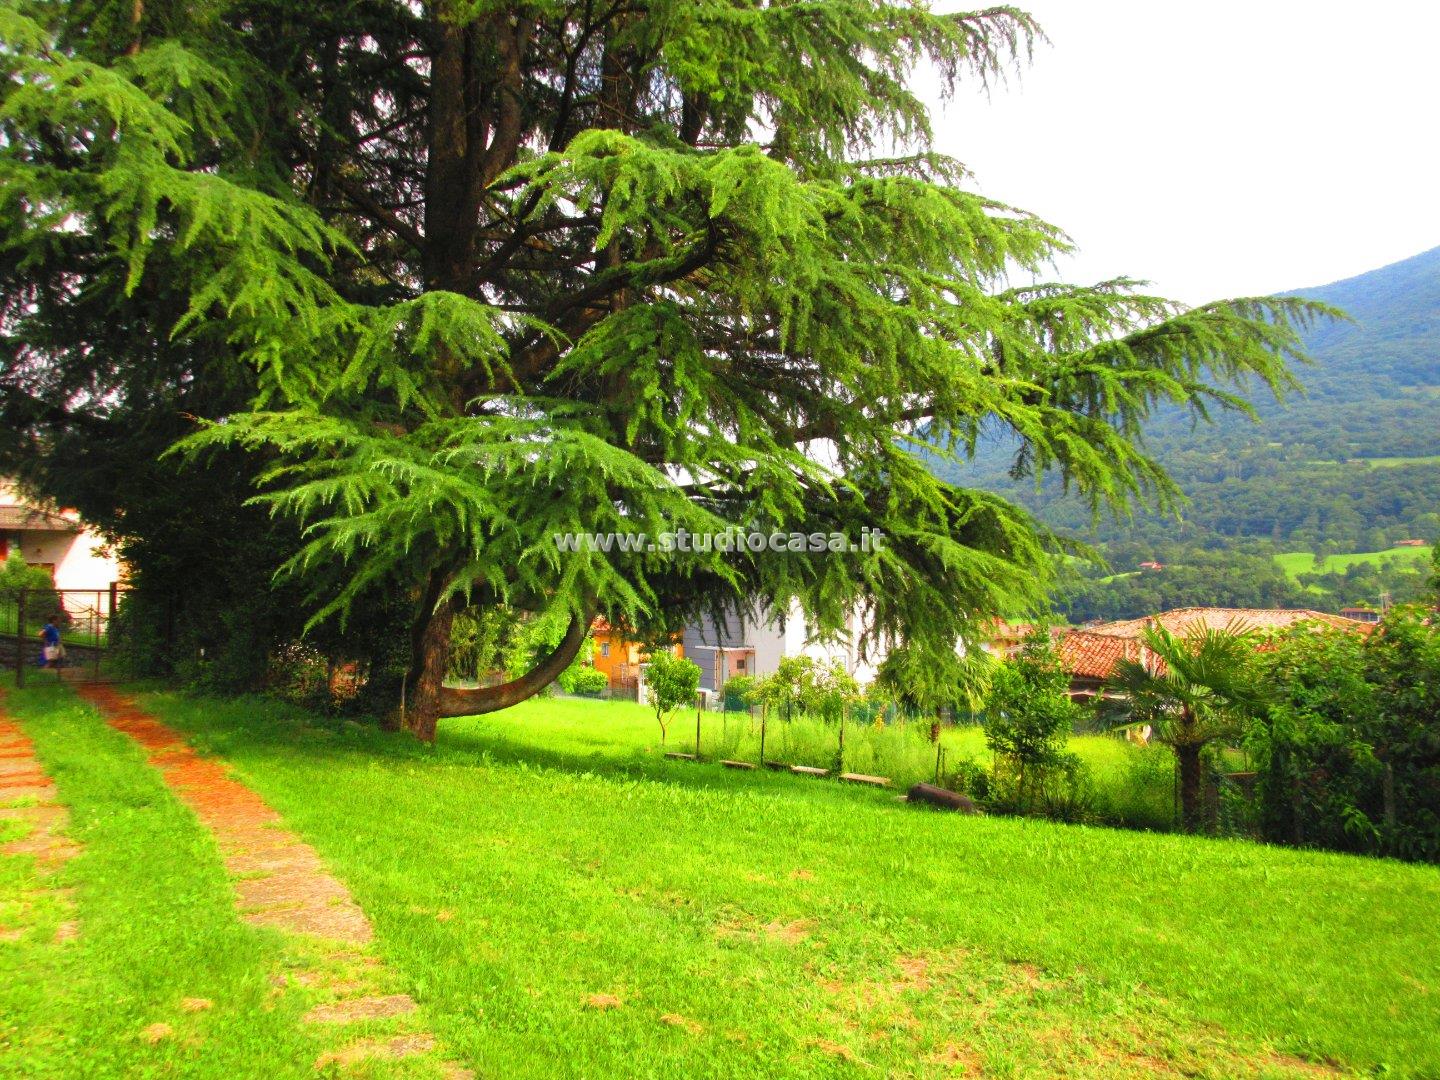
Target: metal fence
84,619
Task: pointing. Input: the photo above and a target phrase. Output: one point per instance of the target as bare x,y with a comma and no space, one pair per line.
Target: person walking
52,652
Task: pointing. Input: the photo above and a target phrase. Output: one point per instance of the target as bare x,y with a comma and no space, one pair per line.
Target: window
605,648
740,664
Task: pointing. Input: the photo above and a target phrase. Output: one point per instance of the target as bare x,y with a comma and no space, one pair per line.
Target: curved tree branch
455,702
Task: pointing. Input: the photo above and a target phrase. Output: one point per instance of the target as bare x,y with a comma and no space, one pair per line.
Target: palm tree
1192,690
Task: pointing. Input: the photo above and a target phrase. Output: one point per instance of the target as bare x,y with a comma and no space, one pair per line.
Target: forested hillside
1351,465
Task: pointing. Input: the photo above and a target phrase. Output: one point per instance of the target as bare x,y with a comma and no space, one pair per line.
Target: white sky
1219,148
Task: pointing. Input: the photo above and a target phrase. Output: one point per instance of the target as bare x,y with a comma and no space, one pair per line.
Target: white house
58,541
752,642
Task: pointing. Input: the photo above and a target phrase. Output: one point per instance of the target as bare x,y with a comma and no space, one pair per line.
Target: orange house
617,656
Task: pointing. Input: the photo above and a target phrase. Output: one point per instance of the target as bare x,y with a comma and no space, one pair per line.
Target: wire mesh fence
59,633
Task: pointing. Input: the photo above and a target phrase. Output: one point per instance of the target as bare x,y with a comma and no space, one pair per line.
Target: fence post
20,640
844,708
764,713
95,624
699,698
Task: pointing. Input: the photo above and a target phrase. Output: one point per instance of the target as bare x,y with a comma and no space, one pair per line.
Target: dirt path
280,881
27,795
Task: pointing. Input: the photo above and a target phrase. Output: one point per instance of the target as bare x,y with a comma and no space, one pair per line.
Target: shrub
968,777
1349,755
1028,719
41,599
789,691
584,680
741,692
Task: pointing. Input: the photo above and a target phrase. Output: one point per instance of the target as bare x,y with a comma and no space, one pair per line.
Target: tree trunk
427,671
1191,774
429,699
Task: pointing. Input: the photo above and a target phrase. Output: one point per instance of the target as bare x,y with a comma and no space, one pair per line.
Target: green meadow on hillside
537,862
1295,563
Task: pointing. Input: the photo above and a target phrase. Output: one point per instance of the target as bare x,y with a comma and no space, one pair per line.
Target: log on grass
938,796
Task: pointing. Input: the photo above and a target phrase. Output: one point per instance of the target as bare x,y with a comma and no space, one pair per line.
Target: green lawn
1295,563
745,923
735,924
157,927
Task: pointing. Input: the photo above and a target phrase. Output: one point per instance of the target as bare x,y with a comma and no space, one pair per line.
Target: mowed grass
564,902
162,979
157,926
1295,563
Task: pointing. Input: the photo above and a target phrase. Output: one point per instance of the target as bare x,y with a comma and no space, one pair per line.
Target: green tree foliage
481,273
741,692
1192,690
1350,748
790,690
1028,719
671,682
16,576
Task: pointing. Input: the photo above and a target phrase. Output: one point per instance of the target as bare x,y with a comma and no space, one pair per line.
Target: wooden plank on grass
809,770
778,766
861,778
675,755
737,764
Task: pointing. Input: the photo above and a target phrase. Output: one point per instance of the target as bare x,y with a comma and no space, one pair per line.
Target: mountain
1395,335
1350,466
1374,389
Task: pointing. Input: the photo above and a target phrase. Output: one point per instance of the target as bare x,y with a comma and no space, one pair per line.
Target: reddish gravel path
280,881
27,795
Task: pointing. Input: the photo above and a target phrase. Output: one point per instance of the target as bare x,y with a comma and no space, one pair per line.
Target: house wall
613,654
79,558
703,641
773,637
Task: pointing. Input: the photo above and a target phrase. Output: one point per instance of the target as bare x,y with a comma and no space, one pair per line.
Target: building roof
1093,653
21,518
1183,620
1089,654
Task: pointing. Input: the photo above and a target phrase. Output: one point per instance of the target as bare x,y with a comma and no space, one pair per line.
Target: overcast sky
1219,148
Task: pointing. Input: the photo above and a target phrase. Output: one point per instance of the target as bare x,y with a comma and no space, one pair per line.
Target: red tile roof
32,517
1093,653
1087,654
1183,620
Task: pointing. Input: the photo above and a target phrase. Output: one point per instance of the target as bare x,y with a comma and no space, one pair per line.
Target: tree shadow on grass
256,726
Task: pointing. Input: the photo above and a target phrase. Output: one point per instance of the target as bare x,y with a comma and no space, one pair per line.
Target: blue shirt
49,635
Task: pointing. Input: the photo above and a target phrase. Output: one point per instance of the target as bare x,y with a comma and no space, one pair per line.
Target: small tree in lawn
790,688
834,690
1028,718
1193,690
671,682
